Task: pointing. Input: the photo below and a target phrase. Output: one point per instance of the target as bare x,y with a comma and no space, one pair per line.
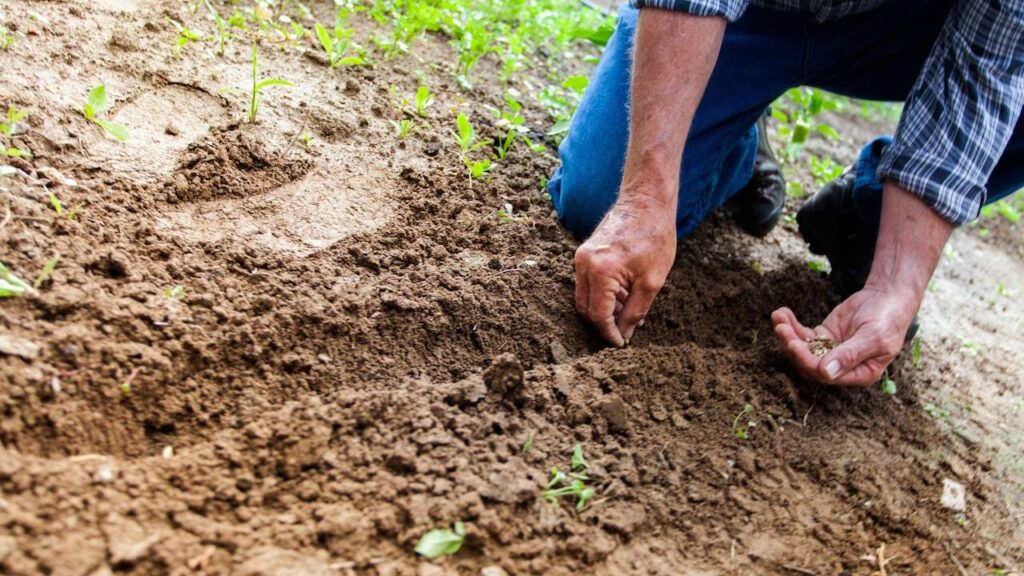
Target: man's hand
622,266
871,324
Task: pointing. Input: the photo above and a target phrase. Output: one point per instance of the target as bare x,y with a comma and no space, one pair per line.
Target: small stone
954,496
559,355
21,347
172,130
105,473
659,412
679,421
493,571
613,410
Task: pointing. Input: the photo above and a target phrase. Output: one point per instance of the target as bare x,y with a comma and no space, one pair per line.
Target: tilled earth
362,347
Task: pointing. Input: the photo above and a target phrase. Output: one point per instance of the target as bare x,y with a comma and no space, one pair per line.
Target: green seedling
403,128
96,103
888,386
8,127
571,484
576,83
223,28
174,292
335,45
505,214
478,169
185,35
741,431
512,121
11,285
47,271
936,411
441,542
307,140
915,351
423,99
817,265
527,445
578,462
6,39
259,85
467,141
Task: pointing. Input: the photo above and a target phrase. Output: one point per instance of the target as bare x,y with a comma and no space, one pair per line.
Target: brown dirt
362,348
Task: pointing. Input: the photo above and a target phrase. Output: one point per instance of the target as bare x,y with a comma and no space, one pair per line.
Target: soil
360,349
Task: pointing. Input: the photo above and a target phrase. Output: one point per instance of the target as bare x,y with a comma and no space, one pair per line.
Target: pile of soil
360,349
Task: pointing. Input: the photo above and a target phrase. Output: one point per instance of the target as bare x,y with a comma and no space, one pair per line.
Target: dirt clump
821,345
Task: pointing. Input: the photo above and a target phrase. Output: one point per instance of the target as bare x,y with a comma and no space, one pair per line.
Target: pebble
21,347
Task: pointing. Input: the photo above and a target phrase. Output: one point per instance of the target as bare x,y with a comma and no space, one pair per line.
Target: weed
258,86
441,542
887,385
335,45
96,103
47,271
423,99
11,285
742,431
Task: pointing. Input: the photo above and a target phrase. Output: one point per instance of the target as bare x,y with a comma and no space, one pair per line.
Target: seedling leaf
578,461
325,41
115,130
887,385
96,101
441,542
47,271
11,285
273,82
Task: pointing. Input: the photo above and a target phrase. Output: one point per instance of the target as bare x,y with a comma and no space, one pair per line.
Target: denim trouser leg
876,55
758,61
1007,177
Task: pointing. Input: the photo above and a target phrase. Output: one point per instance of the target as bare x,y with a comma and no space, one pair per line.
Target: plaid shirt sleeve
731,10
962,109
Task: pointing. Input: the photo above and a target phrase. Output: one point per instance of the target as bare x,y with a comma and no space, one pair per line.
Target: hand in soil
865,331
621,268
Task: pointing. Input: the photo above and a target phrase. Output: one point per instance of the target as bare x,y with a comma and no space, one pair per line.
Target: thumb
849,355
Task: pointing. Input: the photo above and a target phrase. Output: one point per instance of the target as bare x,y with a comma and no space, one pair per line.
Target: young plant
742,431
572,484
8,126
174,292
47,271
223,28
527,445
441,542
466,139
915,351
11,285
403,128
6,39
335,45
423,99
887,385
185,35
259,85
96,103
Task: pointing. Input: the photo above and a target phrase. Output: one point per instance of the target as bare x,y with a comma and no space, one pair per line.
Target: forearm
910,242
674,54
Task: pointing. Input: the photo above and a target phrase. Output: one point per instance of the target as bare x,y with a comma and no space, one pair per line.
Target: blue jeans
875,56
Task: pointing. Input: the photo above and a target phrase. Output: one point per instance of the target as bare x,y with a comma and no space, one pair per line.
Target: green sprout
572,484
174,292
467,141
96,103
47,271
6,38
185,35
935,411
8,126
336,45
223,28
915,351
11,285
817,265
888,386
258,86
403,128
528,444
424,99
441,542
741,431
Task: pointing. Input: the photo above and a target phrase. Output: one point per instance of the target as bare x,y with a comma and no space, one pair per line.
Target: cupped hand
869,328
622,266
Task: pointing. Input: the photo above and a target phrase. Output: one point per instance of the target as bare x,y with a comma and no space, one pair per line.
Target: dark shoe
829,223
758,206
